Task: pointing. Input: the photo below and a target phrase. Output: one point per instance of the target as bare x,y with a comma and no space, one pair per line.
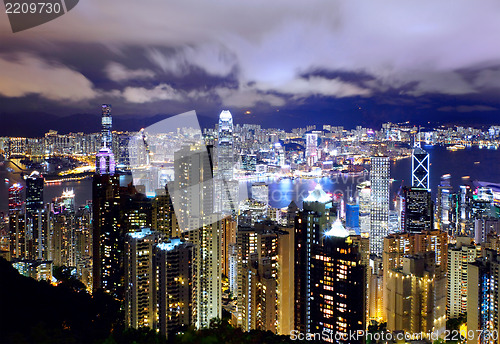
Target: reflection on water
478,164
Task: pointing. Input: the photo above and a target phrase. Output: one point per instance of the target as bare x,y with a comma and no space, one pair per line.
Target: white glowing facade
311,149
226,186
379,212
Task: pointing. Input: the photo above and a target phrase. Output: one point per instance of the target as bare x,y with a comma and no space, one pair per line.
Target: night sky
290,63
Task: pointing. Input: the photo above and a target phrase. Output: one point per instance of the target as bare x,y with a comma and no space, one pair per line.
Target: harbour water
464,166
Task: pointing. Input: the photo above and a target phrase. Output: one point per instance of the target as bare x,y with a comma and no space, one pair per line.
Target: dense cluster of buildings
181,248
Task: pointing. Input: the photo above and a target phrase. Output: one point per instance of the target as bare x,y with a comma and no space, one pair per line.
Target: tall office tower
379,211
107,123
310,225
443,204
311,153
194,187
418,214
420,168
105,162
483,313
174,294
16,202
352,216
139,278
338,286
258,281
459,256
225,146
34,193
226,196
107,235
364,201
260,192
416,296
164,219
461,203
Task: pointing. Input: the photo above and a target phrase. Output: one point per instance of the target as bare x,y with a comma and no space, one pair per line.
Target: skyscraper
225,146
483,309
379,212
420,168
310,226
226,195
16,202
139,277
459,257
106,122
338,286
34,193
417,214
443,204
416,300
311,149
107,235
194,196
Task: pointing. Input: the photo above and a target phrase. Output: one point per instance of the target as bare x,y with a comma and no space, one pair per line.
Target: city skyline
303,62
236,172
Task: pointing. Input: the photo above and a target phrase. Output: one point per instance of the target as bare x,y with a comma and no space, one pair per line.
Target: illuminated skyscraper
225,146
443,204
105,162
310,226
175,297
379,212
139,277
338,286
418,214
107,235
311,149
194,187
226,195
483,308
459,256
260,192
364,201
107,122
416,296
34,193
420,168
16,202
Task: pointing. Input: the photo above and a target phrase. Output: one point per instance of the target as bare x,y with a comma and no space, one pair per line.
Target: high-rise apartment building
310,226
483,312
194,194
459,256
416,296
338,286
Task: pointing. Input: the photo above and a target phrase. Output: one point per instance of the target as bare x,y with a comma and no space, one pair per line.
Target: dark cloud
152,57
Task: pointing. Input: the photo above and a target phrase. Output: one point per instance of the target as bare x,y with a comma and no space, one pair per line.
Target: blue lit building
352,216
